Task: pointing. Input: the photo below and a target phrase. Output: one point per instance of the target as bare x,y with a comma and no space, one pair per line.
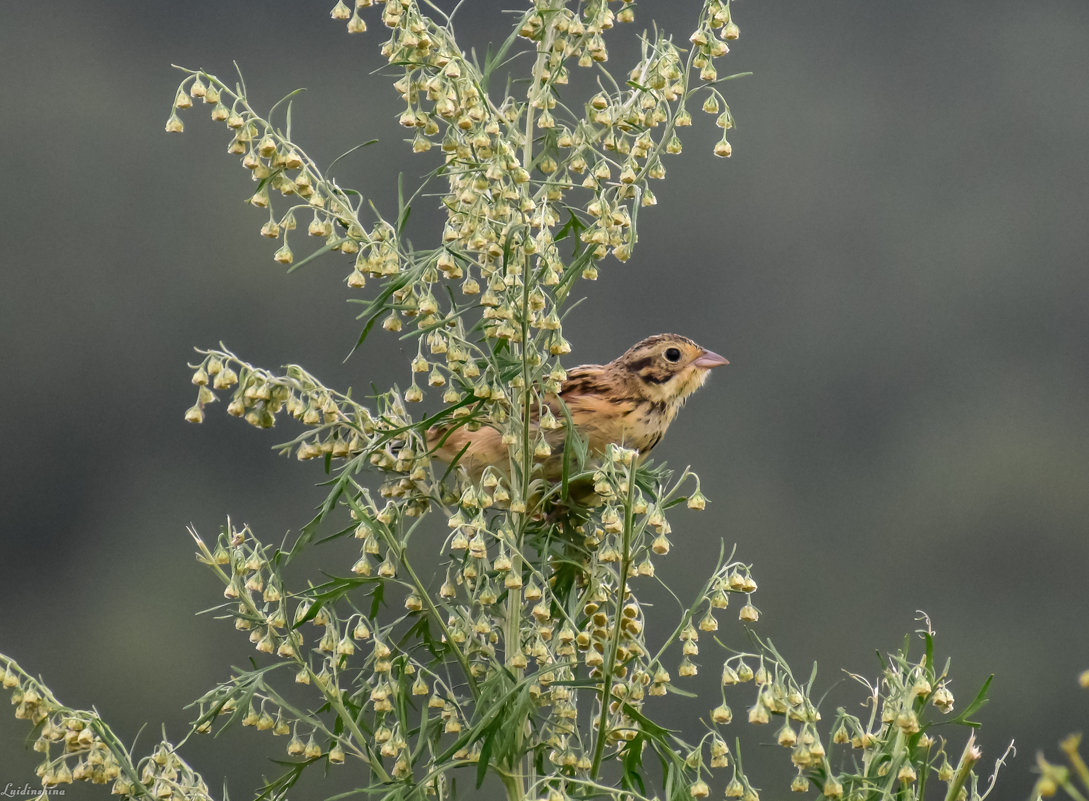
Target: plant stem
614,644
964,768
399,549
1069,747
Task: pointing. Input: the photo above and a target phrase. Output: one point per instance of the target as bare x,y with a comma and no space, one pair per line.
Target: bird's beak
709,359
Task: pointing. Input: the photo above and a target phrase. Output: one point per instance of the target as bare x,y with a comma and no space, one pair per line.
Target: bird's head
666,368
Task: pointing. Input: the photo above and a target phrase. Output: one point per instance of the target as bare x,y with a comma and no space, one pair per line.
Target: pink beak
709,359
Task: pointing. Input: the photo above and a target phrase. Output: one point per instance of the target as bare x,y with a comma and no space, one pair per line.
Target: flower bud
699,789
840,735
758,713
697,501
943,699
908,722
722,714
787,737
833,788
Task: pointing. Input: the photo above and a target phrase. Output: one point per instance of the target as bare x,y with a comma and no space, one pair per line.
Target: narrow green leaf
485,758
309,258
975,704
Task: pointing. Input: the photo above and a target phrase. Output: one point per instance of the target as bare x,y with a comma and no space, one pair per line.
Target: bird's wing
586,379
599,408
474,450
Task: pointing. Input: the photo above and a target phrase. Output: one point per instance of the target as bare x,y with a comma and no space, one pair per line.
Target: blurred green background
894,261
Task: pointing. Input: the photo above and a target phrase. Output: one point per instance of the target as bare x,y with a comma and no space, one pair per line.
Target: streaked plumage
630,401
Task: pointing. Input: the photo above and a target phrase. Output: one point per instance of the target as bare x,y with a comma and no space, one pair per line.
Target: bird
629,402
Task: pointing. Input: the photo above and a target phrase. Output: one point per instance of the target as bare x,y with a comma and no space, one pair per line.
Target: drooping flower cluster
561,643
515,169
77,746
385,439
893,751
523,649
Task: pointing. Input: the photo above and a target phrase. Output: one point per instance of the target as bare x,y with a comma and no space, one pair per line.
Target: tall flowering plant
521,652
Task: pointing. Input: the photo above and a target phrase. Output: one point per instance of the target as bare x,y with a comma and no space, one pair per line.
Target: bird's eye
672,355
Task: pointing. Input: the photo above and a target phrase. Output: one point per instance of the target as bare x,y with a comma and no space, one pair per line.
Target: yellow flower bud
758,713
833,788
943,699
699,789
787,737
697,501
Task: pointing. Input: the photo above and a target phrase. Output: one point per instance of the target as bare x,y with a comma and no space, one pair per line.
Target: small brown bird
630,401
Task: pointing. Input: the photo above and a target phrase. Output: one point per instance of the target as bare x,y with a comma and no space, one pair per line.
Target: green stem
964,768
512,634
332,695
422,593
538,70
515,790
515,783
1069,747
614,644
